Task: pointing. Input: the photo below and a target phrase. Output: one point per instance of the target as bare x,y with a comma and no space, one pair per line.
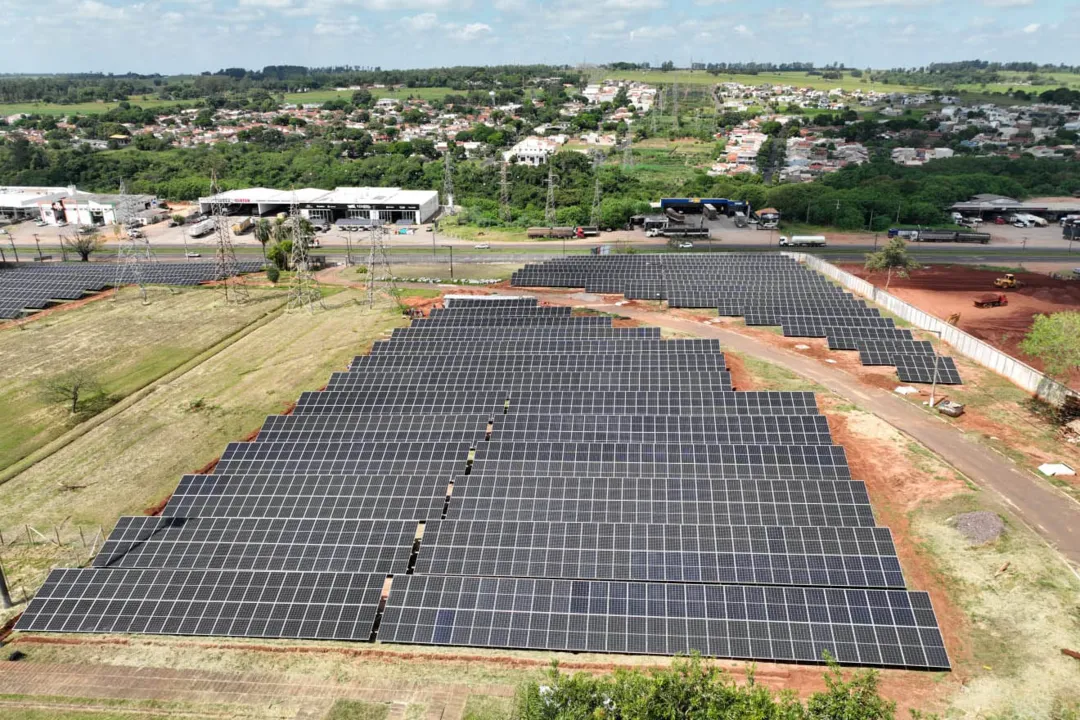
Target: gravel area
980,527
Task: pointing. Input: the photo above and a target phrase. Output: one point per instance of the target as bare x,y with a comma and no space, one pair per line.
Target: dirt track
946,289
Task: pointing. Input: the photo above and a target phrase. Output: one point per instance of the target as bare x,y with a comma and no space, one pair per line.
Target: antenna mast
227,268
549,209
594,216
304,290
134,251
448,180
504,193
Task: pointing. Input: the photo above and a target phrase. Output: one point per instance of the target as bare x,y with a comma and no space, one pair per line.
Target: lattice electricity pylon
504,193
134,250
379,259
448,180
304,291
675,104
628,155
594,215
227,269
549,207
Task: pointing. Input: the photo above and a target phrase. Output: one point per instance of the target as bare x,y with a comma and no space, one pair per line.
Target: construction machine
1009,282
991,300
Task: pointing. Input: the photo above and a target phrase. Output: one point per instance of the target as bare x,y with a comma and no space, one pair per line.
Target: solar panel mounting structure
304,292
227,266
134,250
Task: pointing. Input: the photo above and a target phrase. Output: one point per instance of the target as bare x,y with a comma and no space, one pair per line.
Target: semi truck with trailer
950,236
803,241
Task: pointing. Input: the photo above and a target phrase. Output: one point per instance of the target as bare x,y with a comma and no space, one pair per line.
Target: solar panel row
458,486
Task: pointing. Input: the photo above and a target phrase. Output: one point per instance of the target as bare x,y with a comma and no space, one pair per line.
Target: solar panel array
766,289
28,288
457,488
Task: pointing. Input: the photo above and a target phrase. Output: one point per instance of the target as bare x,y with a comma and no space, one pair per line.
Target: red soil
942,290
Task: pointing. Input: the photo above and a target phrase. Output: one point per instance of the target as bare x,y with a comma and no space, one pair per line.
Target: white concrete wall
967,345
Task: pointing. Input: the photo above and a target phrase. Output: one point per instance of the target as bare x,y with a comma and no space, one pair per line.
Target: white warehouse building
391,205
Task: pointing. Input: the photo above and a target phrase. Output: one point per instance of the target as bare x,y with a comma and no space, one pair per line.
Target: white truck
203,228
802,241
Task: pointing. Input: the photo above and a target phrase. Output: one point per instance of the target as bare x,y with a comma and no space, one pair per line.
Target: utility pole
451,261
504,193
448,180
5,596
933,386
675,104
13,248
304,291
898,213
227,269
594,216
37,241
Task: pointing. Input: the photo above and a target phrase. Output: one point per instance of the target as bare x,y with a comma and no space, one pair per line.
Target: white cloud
743,30
172,17
1007,3
98,10
706,3
420,23
981,21
854,4
509,5
413,4
342,26
633,4
1033,27
470,32
653,32
784,18
274,4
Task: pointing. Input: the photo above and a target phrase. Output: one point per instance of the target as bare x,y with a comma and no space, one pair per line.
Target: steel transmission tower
628,155
227,270
134,251
304,291
594,216
448,180
675,103
379,259
504,193
549,208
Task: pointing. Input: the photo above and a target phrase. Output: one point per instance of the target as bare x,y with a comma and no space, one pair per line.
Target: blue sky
172,36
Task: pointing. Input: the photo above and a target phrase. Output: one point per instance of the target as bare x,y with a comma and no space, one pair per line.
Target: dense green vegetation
272,80
874,195
693,690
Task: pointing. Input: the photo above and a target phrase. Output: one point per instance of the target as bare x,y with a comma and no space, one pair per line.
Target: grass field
700,77
120,345
319,96
134,460
84,108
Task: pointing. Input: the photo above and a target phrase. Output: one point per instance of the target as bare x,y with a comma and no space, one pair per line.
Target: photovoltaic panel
884,352
866,627
927,369
311,545
607,481
777,555
328,606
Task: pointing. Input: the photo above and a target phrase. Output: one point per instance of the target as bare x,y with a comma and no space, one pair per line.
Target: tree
70,387
263,232
1055,340
362,98
893,257
84,243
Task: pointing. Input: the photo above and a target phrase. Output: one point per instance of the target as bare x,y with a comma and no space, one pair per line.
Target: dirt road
1054,515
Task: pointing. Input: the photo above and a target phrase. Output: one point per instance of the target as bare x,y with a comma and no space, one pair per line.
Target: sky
184,36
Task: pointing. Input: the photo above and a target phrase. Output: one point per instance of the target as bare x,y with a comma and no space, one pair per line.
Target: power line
134,251
549,209
504,193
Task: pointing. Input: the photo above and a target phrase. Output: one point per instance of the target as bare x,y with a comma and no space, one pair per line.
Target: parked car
192,254
1000,221
686,246
482,246
41,223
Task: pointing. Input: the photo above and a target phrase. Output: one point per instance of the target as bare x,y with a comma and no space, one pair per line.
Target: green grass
768,376
356,710
88,108
320,96
700,77
121,346
484,707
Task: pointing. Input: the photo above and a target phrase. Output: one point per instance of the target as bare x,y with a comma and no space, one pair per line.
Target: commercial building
534,150
66,204
989,206
391,205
